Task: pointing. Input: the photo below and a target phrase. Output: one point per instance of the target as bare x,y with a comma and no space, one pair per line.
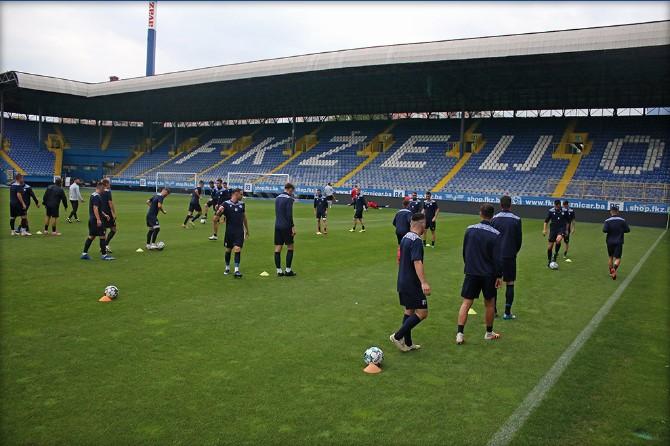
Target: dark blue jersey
216,195
569,214
94,201
480,250
557,219
106,197
615,227
195,195
430,208
411,250
361,203
284,211
234,213
28,194
509,226
53,196
153,205
415,206
14,190
320,204
402,221
224,195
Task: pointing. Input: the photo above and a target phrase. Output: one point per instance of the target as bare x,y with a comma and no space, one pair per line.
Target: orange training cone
372,369
105,299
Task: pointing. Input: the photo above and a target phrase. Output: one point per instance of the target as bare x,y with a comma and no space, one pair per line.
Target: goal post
258,182
177,180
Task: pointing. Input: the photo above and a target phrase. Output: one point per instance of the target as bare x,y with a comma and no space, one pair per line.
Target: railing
615,190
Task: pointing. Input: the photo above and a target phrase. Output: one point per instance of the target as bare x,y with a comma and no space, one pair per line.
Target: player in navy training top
412,285
402,220
569,214
509,226
194,205
96,224
28,194
360,205
557,220
284,229
430,210
155,204
217,199
483,273
615,227
321,206
110,211
17,205
415,204
209,203
52,198
237,229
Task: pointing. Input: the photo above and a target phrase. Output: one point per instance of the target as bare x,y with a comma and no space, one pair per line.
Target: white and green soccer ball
111,291
203,221
160,246
373,355
553,265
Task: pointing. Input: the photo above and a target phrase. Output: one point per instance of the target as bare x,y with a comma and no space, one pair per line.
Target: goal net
257,182
176,180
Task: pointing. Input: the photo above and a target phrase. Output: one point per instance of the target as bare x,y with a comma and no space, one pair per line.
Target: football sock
237,260
110,236
53,228
509,298
557,249
197,216
227,256
461,328
433,242
149,234
155,235
363,227
354,226
407,326
12,223
46,227
188,217
289,259
549,255
408,336
489,328
87,245
278,261
103,246
24,223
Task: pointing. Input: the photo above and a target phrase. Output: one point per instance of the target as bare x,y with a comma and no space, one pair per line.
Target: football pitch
189,356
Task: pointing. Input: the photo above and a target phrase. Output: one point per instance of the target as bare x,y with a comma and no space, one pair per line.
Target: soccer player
412,285
360,205
284,229
237,229
75,198
431,211
570,229
17,205
615,227
329,192
155,204
96,225
509,226
194,205
402,220
321,206
51,200
212,194
557,221
222,195
355,191
415,204
28,194
109,211
482,271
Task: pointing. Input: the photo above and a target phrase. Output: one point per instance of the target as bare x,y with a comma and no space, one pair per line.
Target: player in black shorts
402,221
17,205
412,285
96,225
557,220
109,211
284,229
194,205
360,205
482,271
430,210
28,195
53,197
615,227
509,226
210,202
237,229
155,204
569,213
321,212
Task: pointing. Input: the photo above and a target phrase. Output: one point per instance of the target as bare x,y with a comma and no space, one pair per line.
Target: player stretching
557,217
430,210
223,194
110,211
155,204
17,206
51,200
360,204
321,206
615,227
402,221
210,202
237,229
96,226
28,194
284,229
482,271
194,205
570,229
415,204
509,226
412,285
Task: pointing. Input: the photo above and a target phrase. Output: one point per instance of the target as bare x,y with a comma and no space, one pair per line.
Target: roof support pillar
293,135
174,143
461,140
39,127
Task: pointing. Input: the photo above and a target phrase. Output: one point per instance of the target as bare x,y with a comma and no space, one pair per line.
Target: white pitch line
507,431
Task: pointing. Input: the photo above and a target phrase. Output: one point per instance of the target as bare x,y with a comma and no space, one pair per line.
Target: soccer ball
553,265
160,246
373,355
111,291
203,221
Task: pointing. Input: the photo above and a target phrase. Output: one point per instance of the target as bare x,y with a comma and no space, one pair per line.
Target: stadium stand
26,151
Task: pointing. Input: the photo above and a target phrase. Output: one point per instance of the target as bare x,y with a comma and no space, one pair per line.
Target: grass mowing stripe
507,431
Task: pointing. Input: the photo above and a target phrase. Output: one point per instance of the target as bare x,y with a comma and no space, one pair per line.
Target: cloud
90,41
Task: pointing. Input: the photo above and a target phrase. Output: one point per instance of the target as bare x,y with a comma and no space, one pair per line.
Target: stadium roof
613,66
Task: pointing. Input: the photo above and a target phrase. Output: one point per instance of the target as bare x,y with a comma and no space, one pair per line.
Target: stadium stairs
475,142
238,146
563,151
382,141
304,144
107,138
4,153
186,146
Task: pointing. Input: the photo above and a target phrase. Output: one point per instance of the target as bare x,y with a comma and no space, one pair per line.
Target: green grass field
188,356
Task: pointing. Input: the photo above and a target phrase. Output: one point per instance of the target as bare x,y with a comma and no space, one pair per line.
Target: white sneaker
318,232
26,233
351,230
213,237
362,230
399,343
153,246
14,233
460,338
414,347
492,336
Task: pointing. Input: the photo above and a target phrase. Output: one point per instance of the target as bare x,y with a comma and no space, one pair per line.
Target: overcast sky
91,41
